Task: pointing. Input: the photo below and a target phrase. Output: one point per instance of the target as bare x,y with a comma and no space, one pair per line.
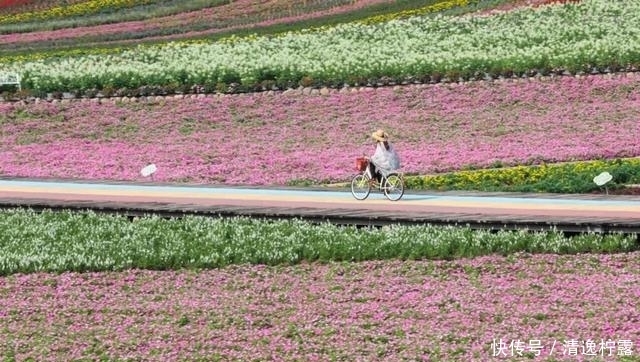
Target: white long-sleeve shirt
386,160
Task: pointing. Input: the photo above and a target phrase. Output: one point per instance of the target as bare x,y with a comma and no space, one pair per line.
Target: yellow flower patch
538,177
83,8
441,6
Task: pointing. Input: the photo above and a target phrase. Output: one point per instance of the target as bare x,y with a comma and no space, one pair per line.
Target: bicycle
391,184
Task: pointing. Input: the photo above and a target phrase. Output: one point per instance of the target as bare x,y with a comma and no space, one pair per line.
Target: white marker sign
148,170
602,178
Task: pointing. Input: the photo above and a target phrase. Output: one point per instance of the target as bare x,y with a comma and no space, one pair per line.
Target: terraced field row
589,37
97,23
278,139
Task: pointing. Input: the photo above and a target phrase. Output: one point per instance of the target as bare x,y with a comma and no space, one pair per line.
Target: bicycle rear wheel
393,187
360,187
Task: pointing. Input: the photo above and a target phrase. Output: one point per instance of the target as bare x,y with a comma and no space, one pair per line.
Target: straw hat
380,135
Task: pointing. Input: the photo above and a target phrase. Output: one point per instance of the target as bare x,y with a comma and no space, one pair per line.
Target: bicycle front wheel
360,187
393,187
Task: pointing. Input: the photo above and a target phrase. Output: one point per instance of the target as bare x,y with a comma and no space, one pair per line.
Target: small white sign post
602,180
149,170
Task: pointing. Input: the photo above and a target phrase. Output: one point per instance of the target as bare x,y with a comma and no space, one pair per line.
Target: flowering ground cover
568,177
275,139
157,21
387,309
576,308
86,242
473,47
519,4
167,21
69,9
16,6
192,16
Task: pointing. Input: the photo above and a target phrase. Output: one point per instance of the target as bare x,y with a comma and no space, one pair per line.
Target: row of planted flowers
590,36
214,22
572,177
382,310
279,139
49,16
52,241
75,8
165,18
175,21
66,9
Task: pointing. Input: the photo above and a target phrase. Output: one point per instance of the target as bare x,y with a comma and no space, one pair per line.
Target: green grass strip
73,241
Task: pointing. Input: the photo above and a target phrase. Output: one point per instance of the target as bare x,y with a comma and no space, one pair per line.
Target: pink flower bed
370,311
273,139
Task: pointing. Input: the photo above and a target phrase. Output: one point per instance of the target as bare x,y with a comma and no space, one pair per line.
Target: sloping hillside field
275,139
593,36
148,19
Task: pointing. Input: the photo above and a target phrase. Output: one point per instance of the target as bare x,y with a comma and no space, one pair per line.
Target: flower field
457,89
572,177
150,19
89,242
280,138
576,308
66,10
591,36
398,303
105,23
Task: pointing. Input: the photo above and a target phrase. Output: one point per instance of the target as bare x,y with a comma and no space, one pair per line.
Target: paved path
594,210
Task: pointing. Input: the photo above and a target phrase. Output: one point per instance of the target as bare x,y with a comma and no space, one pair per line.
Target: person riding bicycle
385,160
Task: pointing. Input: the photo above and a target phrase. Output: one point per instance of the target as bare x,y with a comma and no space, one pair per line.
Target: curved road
569,212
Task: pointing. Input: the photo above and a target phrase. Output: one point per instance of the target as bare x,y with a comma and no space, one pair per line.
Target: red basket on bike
361,163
